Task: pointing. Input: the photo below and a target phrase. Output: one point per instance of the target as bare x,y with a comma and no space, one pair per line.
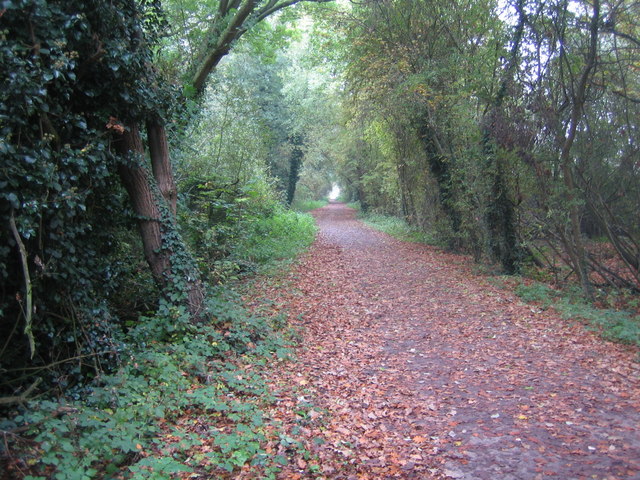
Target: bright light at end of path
335,192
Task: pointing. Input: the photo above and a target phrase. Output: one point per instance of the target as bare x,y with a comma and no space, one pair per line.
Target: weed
615,325
275,239
144,421
537,293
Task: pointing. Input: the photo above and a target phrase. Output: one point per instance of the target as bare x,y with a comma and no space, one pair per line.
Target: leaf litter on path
419,369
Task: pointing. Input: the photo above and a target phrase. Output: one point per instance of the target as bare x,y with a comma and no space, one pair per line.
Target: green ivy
67,67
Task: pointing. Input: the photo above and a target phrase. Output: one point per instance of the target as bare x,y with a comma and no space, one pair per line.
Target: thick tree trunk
406,201
161,163
136,180
170,264
210,57
500,216
440,169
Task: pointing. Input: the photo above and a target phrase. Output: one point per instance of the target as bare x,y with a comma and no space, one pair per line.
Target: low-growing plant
133,423
537,293
307,205
615,325
397,228
272,239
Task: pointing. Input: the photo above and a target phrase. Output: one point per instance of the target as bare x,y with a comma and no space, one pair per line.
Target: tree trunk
161,163
210,57
500,216
294,166
574,243
440,169
171,266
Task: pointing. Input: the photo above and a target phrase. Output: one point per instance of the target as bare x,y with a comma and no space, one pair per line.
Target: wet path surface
427,371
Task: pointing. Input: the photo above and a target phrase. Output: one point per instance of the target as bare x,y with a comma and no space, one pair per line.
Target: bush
145,417
236,229
66,67
270,240
307,205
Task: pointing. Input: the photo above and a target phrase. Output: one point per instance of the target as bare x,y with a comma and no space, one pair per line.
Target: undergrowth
307,205
397,227
187,399
270,241
615,325
192,404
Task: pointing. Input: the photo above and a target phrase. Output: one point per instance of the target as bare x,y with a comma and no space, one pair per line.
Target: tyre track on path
427,371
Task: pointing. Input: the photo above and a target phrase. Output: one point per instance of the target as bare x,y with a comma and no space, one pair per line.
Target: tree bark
439,167
295,164
171,266
161,163
500,216
218,43
574,243
222,44
137,182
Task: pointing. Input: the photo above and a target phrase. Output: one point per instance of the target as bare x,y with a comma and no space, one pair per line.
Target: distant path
428,371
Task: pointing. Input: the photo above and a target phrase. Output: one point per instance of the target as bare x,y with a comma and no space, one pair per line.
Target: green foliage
307,205
67,67
614,325
397,228
133,418
236,229
537,293
281,236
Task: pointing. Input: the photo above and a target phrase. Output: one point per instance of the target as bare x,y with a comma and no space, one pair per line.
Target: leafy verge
187,398
615,325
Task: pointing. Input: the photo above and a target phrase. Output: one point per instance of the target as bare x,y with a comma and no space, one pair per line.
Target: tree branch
236,28
20,398
28,311
223,43
273,6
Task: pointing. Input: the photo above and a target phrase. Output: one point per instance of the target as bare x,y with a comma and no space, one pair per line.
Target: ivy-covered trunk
171,265
500,216
295,164
440,168
161,163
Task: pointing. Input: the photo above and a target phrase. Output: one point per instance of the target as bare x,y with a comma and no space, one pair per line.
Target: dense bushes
67,69
88,328
238,228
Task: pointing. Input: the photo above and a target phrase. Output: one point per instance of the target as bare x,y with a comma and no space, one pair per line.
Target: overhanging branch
237,27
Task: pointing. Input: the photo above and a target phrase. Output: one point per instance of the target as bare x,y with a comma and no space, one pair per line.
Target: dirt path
427,371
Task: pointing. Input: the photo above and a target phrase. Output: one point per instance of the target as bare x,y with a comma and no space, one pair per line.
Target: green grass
270,241
615,325
397,227
308,205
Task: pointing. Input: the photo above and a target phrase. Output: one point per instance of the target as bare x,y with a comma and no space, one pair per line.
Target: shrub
136,418
307,205
272,239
